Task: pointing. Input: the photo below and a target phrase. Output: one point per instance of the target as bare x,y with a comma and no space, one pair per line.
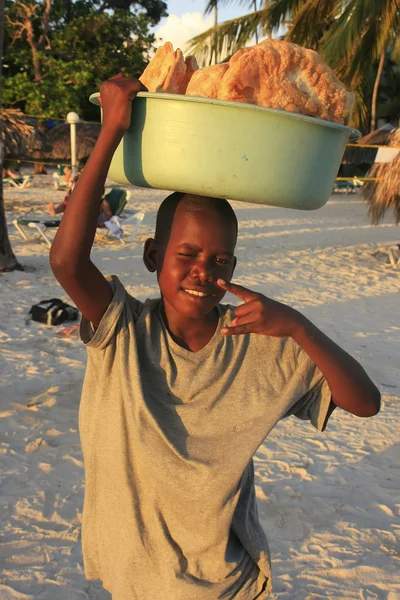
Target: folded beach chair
117,199
21,182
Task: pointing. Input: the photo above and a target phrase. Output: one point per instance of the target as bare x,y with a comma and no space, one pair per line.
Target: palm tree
352,35
18,138
8,262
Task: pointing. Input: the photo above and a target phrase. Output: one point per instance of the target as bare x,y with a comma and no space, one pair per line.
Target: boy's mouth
197,293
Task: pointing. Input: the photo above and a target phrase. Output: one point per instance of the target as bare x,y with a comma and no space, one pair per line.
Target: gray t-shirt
168,437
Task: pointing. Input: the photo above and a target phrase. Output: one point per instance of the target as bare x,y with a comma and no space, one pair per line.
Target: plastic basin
229,150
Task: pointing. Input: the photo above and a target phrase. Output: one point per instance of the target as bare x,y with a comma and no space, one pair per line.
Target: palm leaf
395,54
230,35
359,35
211,4
310,22
279,12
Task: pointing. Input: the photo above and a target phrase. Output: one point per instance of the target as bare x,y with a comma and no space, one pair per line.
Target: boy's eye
222,261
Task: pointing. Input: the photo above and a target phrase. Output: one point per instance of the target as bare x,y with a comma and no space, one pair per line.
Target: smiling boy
180,391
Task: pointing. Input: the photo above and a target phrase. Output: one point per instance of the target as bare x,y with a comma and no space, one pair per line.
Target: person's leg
55,210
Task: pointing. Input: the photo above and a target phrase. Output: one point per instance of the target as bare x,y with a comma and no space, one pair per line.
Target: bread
206,82
168,71
286,76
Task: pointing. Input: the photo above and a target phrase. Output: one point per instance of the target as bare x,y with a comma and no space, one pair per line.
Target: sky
186,19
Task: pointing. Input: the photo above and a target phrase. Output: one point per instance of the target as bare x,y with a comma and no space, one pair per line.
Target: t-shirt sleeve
315,404
122,306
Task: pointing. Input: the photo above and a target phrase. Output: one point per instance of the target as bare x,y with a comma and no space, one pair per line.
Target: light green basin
229,150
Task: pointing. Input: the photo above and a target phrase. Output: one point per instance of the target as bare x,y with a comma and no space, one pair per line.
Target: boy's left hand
260,314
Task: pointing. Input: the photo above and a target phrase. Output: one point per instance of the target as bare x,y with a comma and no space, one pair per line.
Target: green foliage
84,47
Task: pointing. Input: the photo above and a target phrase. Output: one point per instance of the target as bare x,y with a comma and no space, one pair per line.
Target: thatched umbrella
60,141
365,157
20,137
384,192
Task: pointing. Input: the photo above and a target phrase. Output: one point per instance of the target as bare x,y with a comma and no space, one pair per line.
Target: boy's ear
234,265
150,255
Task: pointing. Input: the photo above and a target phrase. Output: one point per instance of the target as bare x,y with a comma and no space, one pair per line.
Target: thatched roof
384,193
366,156
21,136
60,142
379,137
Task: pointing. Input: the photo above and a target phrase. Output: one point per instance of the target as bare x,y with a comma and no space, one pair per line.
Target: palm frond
395,54
281,11
230,35
310,21
211,4
359,35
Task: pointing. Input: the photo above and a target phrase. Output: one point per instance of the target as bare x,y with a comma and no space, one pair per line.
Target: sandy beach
329,502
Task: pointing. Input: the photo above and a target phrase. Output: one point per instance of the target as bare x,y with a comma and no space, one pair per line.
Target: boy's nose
203,271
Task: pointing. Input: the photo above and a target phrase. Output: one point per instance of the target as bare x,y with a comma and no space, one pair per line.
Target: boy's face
200,250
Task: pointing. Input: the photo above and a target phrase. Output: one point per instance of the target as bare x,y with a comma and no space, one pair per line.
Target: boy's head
193,247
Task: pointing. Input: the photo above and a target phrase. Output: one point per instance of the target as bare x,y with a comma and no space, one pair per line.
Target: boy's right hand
116,96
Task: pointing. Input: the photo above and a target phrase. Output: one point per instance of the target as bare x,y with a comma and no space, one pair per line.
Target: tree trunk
376,89
35,55
8,262
216,34
255,10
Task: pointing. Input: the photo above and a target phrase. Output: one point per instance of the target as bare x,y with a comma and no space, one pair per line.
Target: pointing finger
238,290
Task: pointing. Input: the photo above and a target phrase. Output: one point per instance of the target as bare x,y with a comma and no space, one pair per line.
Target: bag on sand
53,312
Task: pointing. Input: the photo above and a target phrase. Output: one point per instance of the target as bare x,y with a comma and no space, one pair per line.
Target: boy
180,392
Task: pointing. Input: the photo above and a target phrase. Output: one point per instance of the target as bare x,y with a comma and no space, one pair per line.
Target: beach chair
36,225
117,199
394,255
348,186
20,183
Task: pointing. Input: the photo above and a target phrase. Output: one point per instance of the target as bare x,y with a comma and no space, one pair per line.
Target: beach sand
329,502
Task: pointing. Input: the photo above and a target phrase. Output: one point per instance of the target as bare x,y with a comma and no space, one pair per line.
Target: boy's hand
260,314
116,96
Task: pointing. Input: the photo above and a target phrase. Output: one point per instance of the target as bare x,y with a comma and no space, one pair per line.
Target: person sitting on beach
11,169
60,208
68,175
105,210
181,390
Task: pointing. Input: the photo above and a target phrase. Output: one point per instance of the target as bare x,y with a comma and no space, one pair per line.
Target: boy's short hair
190,204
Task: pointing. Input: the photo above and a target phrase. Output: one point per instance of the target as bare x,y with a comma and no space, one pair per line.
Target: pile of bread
274,74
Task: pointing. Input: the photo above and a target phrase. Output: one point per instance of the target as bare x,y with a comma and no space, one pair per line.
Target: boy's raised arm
70,251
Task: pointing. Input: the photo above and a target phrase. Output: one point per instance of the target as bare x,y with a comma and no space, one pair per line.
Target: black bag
53,312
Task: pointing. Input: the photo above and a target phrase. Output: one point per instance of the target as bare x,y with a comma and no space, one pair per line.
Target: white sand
329,502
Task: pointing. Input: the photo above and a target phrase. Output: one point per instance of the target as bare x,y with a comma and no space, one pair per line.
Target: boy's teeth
195,293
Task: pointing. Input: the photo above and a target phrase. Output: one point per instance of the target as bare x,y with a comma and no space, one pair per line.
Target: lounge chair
22,182
394,255
37,224
117,199
347,186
